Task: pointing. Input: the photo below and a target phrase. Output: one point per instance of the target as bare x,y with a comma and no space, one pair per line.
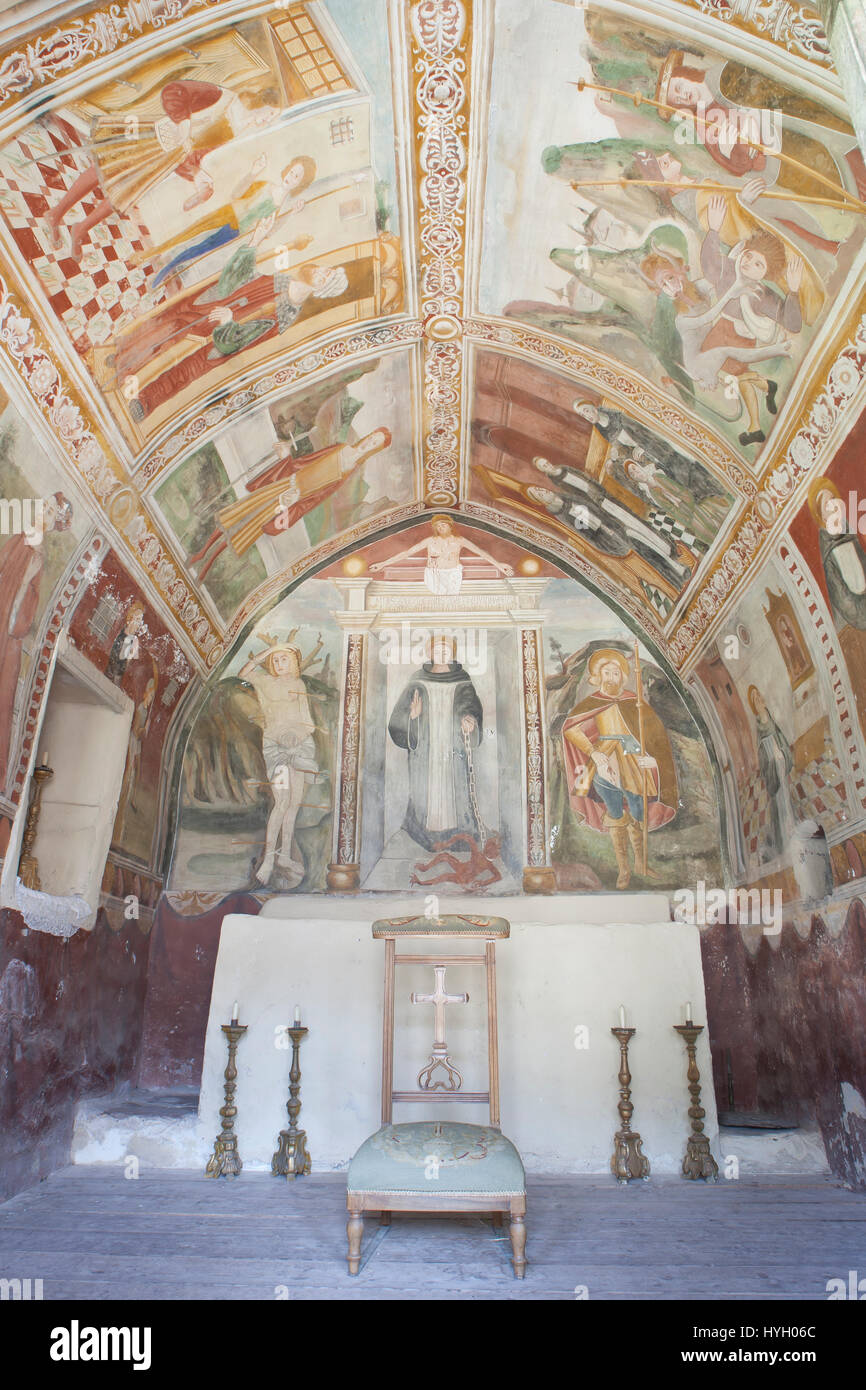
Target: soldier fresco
683,213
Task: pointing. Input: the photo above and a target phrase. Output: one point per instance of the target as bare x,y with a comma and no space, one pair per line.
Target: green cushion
452,924
437,1157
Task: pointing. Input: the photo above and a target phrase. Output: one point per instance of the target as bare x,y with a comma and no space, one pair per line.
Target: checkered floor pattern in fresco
658,601
666,525
818,793
103,290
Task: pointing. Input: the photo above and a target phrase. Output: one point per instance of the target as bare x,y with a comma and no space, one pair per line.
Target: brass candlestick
28,866
698,1161
627,1161
225,1161
292,1159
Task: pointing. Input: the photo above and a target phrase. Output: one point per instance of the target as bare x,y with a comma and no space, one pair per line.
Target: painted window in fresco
215,206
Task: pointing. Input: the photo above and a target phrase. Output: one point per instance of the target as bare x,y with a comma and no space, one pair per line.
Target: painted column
845,25
538,875
344,872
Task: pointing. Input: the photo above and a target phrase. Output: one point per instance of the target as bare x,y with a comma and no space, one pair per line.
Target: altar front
569,965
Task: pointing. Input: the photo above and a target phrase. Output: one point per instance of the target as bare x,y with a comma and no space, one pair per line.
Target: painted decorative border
440,56
536,830
115,500
350,752
796,28
792,26
836,669
289,373
801,458
440,53
84,571
85,39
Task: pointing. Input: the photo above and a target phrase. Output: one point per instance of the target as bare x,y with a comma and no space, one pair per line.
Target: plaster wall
554,977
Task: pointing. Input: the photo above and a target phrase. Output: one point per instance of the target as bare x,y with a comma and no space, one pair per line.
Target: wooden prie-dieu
433,1165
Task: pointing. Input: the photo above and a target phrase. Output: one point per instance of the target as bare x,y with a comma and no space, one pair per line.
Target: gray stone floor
90,1233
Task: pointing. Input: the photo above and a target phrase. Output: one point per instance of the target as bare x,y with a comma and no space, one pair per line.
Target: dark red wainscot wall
793,1019
182,963
70,1026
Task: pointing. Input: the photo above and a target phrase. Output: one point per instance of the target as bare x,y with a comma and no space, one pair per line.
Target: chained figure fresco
438,720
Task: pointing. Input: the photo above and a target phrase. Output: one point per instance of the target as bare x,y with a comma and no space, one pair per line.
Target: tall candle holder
698,1161
292,1159
28,866
627,1161
225,1161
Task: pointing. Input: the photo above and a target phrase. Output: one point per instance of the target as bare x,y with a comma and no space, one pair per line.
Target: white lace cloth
49,912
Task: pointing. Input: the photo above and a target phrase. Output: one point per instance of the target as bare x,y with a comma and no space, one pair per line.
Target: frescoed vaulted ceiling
277,278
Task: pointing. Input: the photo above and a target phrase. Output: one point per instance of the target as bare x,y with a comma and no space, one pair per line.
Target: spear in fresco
706,186
640,703
297,244
639,100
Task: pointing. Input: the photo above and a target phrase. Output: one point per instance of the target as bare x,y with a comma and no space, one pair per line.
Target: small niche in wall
83,739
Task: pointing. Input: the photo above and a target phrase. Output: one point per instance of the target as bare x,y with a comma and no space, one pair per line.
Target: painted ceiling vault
279,277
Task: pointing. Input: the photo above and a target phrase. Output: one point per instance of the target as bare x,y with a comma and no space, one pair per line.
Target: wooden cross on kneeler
439,1055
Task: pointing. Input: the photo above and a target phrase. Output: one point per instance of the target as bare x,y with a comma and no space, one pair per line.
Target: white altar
568,966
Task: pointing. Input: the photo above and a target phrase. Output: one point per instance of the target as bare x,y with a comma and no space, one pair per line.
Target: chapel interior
432,524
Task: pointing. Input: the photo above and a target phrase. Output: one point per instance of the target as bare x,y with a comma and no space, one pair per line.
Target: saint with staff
619,762
284,492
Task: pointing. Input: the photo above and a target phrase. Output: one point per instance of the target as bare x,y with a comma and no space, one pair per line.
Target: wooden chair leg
355,1232
518,1245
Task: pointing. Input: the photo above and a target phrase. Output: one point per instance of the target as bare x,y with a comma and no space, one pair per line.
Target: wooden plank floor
89,1233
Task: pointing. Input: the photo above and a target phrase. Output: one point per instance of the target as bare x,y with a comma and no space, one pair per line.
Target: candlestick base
627,1161
28,865
225,1161
698,1161
292,1159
